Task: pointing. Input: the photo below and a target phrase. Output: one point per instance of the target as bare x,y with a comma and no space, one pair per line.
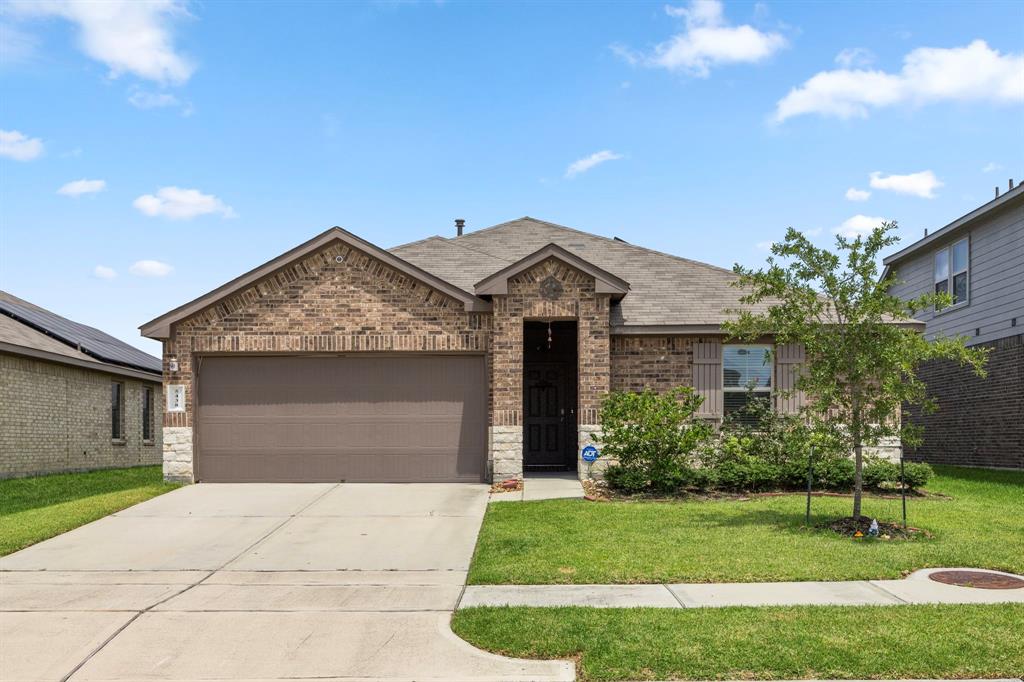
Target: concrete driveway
256,582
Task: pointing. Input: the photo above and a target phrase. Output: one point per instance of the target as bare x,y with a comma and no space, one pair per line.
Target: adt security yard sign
590,454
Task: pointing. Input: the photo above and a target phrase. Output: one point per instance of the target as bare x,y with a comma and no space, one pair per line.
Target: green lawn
37,508
981,525
826,642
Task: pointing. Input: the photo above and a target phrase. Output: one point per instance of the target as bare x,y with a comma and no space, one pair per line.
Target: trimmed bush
653,437
660,448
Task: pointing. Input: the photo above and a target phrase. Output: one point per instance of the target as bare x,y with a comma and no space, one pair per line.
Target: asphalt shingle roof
30,326
664,289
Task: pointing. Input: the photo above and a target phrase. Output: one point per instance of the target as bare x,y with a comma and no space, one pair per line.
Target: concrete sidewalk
544,486
916,588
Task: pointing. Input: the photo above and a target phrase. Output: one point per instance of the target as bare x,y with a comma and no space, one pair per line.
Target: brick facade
523,302
656,362
338,299
979,421
56,417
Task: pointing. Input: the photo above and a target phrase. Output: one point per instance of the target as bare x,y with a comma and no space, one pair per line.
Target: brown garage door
369,418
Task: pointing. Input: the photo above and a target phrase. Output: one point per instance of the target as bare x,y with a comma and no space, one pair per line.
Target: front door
549,427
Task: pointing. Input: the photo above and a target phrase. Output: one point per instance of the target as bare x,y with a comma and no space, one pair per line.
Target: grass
34,509
980,524
825,642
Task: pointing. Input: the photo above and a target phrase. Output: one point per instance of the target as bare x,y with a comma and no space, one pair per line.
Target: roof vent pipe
459,224
1011,183
997,191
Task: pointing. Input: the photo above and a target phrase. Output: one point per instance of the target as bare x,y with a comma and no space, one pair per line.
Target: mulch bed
850,527
510,485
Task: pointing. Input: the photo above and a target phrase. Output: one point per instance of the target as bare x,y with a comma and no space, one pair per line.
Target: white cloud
140,99
975,72
17,146
588,162
854,194
855,57
858,226
812,232
128,36
150,268
15,46
103,272
921,184
77,188
991,167
176,203
707,41
764,246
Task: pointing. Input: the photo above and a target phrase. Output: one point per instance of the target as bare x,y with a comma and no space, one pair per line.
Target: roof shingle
665,290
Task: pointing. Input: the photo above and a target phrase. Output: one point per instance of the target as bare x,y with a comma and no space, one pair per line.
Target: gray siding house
979,260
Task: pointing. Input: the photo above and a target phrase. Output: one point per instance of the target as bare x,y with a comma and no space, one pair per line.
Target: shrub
759,449
881,473
653,437
626,479
917,474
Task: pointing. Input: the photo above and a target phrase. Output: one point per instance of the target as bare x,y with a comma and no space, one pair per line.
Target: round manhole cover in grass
985,581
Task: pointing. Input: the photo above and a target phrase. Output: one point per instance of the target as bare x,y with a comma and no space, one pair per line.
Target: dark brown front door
382,418
550,417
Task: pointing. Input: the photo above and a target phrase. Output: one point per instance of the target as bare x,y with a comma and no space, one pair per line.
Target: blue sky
213,136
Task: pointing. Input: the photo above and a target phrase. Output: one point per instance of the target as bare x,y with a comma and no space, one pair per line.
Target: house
470,358
71,397
979,260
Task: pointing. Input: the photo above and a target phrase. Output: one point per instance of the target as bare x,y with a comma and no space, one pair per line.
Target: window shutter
789,358
707,377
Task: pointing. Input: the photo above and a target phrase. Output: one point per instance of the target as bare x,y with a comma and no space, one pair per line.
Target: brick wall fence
56,417
980,422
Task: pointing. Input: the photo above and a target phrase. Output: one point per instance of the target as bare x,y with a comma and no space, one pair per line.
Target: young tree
861,345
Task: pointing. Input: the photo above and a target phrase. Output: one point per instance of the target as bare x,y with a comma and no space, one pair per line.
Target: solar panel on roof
88,339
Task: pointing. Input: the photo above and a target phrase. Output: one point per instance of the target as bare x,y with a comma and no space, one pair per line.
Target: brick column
506,431
594,375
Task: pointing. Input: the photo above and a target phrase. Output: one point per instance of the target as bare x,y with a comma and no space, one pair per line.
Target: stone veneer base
506,452
178,454
590,434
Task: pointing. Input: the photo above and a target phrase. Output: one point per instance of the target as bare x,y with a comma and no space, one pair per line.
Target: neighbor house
977,259
470,358
71,397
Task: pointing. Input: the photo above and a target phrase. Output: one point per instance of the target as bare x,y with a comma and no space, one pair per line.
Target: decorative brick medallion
551,289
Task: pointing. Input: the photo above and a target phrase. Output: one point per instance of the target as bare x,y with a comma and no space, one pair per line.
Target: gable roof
1009,199
28,329
604,281
159,328
667,294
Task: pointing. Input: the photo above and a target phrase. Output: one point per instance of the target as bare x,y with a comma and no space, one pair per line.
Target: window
951,271
117,410
147,413
746,375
